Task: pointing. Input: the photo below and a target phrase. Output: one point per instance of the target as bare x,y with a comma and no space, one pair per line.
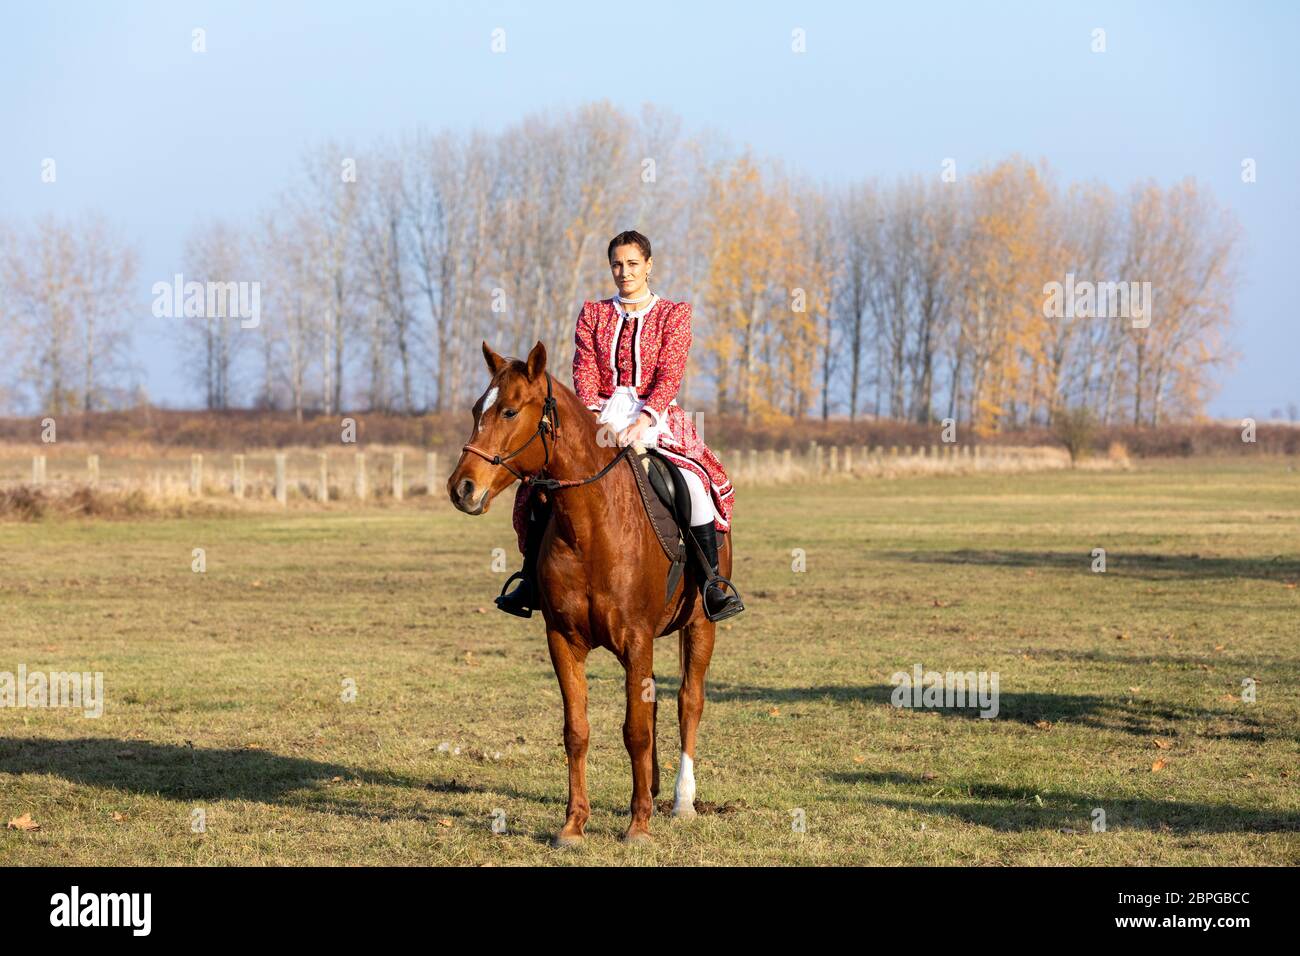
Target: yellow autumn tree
1000,275
754,250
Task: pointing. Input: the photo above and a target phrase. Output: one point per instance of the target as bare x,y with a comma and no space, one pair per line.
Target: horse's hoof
684,811
637,836
564,840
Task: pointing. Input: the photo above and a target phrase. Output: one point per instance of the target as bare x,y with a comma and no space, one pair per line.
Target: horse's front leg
696,645
569,661
638,733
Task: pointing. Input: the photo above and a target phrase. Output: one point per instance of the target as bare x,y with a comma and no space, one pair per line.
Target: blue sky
161,140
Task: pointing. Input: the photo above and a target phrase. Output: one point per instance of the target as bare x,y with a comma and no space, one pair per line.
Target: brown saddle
667,505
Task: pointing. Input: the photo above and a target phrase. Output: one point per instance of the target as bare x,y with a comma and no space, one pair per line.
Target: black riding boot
720,600
522,601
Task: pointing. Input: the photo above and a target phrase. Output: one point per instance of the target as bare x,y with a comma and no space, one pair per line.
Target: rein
549,422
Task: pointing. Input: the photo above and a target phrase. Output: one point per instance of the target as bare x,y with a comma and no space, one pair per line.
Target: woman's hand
637,430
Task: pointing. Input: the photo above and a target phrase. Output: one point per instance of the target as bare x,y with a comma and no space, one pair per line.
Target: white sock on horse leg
684,791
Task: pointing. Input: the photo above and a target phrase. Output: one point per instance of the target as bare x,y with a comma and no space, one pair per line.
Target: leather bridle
549,422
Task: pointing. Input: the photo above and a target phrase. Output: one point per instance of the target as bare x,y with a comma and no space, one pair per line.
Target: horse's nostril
465,490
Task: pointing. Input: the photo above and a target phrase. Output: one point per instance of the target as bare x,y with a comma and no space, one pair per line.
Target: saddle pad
661,519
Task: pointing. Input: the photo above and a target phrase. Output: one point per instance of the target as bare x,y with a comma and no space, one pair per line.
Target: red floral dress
647,353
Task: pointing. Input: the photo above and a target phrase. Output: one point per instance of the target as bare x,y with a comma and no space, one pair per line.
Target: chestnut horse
601,572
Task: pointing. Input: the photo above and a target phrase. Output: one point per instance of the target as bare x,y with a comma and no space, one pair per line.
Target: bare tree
325,200
854,210
381,238
67,286
211,331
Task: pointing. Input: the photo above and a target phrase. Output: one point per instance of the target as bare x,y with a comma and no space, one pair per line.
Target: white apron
624,407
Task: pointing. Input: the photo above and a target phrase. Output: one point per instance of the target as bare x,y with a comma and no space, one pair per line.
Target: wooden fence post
92,470
38,470
238,480
398,481
323,492
196,474
281,489
430,472
361,476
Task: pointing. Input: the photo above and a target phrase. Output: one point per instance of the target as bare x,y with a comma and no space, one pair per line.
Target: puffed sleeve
672,361
586,377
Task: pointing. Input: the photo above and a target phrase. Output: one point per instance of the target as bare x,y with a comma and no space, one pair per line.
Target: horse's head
507,418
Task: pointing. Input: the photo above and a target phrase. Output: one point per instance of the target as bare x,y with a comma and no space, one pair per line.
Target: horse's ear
536,362
494,361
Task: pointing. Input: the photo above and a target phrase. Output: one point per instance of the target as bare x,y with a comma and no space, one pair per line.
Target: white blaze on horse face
488,401
684,793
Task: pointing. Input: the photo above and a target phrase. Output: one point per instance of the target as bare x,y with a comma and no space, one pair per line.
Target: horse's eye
509,413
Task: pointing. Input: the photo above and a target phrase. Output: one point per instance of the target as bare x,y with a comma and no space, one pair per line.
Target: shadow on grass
178,772
1133,716
1006,808
1189,661
1152,567
191,774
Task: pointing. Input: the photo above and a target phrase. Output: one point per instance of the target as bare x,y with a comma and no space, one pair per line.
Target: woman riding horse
627,367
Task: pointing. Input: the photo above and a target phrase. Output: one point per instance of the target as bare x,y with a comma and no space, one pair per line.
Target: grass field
225,689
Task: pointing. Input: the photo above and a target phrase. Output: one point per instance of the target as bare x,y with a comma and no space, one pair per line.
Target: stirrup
731,606
510,603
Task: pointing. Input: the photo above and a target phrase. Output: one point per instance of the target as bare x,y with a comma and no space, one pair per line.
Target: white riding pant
621,410
701,500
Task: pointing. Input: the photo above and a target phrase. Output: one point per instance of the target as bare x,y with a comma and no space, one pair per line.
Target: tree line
379,270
